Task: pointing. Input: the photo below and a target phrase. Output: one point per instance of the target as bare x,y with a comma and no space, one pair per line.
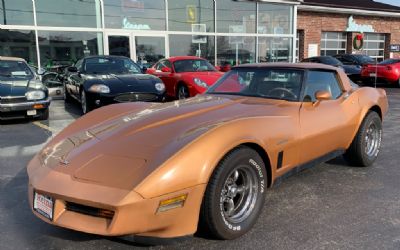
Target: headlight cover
35,95
99,88
200,83
160,87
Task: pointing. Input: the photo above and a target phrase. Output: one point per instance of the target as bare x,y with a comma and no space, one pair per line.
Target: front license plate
44,205
31,112
372,75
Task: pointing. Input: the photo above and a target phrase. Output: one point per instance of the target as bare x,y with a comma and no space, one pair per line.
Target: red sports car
387,71
185,76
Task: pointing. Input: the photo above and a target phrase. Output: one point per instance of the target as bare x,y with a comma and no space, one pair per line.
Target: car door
166,77
75,78
326,126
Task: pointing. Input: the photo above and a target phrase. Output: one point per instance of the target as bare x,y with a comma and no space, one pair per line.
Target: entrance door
144,49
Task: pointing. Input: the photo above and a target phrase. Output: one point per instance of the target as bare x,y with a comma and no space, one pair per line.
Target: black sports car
22,95
101,80
352,71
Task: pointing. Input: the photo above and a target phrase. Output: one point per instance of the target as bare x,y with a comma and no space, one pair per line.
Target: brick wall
313,23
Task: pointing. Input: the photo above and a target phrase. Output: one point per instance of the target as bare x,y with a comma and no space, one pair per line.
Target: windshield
193,65
272,83
15,70
110,65
365,59
390,61
331,61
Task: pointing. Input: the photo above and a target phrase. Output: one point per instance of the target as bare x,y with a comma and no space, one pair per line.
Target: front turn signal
176,202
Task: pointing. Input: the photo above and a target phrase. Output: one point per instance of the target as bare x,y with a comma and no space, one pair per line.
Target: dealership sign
352,26
395,48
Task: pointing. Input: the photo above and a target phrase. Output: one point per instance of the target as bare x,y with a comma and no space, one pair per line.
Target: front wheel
366,145
85,103
235,194
183,92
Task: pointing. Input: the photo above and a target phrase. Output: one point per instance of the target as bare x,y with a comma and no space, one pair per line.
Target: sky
392,2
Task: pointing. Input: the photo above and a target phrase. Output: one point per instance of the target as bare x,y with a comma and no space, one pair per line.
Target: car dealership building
47,32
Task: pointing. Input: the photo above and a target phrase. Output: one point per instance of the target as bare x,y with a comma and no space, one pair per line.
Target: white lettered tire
235,194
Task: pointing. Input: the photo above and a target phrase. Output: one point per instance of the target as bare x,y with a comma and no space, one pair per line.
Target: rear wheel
235,194
366,145
183,92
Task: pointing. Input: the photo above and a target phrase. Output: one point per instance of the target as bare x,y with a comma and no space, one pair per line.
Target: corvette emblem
64,161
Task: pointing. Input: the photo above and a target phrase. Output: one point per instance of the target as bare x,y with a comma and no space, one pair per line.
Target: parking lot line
41,125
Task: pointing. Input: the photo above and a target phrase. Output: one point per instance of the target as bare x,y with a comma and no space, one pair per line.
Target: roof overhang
348,11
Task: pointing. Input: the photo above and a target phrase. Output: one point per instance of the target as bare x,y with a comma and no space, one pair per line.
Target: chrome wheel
372,140
239,194
83,102
183,92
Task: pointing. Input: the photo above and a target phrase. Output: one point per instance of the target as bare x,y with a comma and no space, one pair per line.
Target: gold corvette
165,170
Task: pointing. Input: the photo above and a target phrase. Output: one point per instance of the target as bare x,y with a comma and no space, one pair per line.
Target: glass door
149,50
118,45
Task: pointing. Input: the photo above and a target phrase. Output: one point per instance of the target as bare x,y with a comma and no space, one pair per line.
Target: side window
163,64
321,80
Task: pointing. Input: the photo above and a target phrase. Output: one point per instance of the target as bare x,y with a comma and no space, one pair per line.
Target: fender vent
280,160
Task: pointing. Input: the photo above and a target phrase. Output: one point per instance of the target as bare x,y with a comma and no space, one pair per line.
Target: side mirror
144,69
73,69
41,71
165,69
323,95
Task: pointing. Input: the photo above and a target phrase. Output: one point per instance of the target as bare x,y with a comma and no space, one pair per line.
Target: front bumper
132,213
99,100
19,110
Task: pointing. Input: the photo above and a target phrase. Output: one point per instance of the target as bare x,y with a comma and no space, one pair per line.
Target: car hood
18,88
122,151
124,83
208,77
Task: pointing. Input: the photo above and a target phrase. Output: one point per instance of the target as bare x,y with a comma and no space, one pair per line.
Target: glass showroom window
65,48
274,49
201,46
16,12
333,43
374,45
19,43
67,13
149,50
135,14
234,50
236,17
275,19
191,15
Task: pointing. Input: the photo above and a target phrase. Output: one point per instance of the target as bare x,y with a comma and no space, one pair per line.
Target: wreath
358,42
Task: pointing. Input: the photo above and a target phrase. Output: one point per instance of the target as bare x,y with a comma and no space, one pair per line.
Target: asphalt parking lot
331,206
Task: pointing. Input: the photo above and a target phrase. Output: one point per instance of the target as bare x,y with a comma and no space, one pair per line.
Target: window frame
336,75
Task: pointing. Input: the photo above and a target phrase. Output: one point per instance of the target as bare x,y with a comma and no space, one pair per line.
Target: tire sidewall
244,156
372,117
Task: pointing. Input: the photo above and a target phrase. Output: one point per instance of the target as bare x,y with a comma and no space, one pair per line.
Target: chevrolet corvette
168,169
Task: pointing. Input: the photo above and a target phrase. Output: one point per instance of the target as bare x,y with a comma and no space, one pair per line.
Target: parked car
185,76
387,71
357,61
352,71
160,170
22,95
96,81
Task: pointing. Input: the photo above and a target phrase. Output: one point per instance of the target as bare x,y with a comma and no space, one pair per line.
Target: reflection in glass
275,19
16,12
65,48
236,17
235,50
149,50
119,46
184,45
67,13
274,49
183,16
19,43
135,14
